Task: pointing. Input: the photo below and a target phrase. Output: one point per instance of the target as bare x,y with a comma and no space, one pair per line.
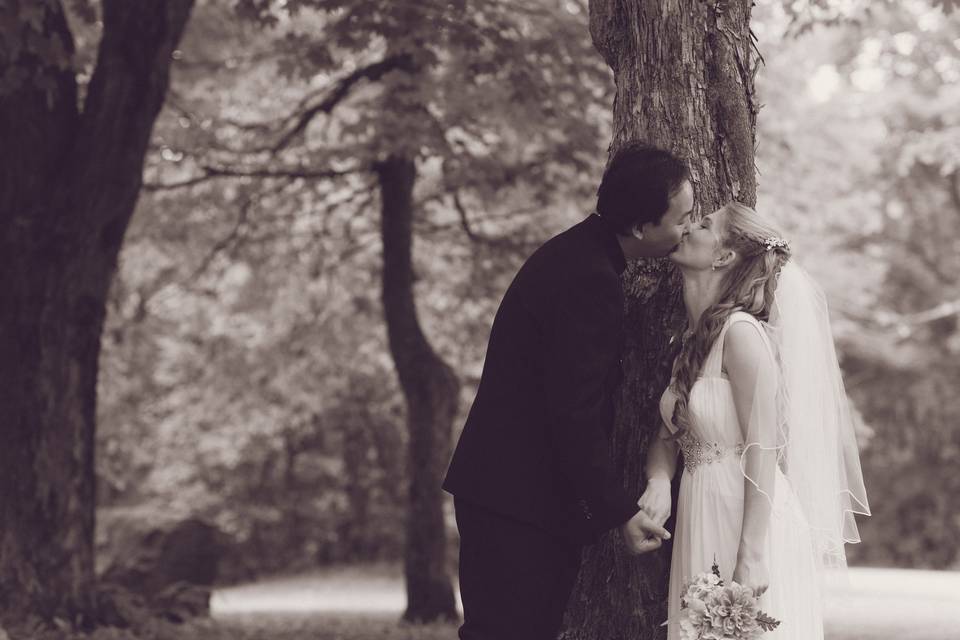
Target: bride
756,406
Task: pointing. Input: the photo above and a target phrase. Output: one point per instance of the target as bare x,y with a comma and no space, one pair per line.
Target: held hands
642,534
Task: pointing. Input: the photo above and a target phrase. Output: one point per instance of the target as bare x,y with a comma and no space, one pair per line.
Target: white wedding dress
711,508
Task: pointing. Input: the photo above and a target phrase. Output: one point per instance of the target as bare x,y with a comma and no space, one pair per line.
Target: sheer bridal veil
801,420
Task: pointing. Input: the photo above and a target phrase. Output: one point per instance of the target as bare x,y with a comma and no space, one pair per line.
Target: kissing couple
755,413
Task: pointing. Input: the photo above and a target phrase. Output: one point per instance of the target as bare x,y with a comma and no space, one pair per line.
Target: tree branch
225,242
464,220
954,188
942,310
126,92
373,71
509,241
901,323
295,123
211,173
211,65
230,239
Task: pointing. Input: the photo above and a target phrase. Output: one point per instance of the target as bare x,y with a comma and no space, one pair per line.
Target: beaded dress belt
697,452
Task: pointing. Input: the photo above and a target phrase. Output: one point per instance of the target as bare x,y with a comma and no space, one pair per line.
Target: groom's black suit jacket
535,446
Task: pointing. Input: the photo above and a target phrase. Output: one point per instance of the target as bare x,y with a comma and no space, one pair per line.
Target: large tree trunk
684,75
431,391
66,196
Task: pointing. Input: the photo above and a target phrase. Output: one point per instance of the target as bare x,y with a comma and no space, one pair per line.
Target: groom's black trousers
515,578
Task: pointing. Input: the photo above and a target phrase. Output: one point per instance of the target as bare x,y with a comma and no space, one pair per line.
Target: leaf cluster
491,93
35,48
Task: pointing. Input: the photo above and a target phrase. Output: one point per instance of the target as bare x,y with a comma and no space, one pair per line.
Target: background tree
449,107
684,79
66,197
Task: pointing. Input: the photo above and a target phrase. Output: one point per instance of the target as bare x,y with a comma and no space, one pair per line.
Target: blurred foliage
245,373
860,158
912,399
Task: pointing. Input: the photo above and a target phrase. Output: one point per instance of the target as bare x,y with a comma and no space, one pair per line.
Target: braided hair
749,285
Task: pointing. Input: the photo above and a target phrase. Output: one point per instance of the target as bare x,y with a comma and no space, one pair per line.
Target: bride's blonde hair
748,285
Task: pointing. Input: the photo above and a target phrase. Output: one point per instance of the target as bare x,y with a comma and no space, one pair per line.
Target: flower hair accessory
775,242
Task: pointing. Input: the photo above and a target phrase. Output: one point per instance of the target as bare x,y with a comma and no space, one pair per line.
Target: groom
532,476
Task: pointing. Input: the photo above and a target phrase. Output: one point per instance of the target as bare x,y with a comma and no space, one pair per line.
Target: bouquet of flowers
710,610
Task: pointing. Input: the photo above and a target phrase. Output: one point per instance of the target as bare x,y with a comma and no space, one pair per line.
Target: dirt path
365,604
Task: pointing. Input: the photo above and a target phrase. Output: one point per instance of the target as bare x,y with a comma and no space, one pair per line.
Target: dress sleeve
751,368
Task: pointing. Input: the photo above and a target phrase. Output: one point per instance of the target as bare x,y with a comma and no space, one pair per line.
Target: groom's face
658,240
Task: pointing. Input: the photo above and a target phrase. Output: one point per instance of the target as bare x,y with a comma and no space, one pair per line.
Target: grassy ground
261,626
316,626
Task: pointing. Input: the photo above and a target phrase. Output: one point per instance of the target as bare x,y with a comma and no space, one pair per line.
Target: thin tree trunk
431,391
66,198
684,75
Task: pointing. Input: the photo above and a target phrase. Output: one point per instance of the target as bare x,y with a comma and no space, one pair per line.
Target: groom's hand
641,534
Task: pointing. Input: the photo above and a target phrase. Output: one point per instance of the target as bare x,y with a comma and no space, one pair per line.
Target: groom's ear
639,230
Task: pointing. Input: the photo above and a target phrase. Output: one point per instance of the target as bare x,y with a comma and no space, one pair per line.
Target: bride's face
701,245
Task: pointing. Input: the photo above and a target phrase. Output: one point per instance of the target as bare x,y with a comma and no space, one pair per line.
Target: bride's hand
752,574
655,501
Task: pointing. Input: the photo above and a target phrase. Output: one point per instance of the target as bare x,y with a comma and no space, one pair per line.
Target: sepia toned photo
480,320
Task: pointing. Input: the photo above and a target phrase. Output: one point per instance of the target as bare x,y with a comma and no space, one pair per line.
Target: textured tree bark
431,391
66,197
684,76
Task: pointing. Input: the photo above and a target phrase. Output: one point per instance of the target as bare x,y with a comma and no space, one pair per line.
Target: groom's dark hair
637,186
